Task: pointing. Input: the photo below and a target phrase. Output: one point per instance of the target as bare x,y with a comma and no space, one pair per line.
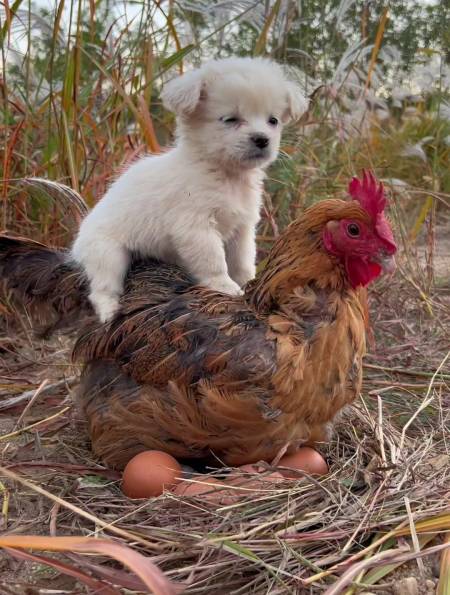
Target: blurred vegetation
80,84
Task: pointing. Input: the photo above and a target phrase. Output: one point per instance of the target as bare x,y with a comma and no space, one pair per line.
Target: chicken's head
365,247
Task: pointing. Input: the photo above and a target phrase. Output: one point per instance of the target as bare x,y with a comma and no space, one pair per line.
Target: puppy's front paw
244,275
223,284
105,305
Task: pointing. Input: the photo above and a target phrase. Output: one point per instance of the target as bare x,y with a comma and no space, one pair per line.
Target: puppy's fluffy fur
198,204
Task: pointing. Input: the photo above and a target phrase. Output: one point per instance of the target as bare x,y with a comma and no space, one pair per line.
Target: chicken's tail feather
45,281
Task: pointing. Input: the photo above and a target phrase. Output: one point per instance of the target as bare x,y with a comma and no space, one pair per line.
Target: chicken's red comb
369,193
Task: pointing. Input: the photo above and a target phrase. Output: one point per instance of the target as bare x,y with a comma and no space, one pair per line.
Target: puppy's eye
230,120
273,121
353,230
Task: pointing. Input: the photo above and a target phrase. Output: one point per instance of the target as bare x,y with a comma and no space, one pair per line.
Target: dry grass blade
61,193
406,372
357,568
426,401
432,525
148,128
372,577
68,468
4,491
34,425
10,13
118,577
415,540
436,524
82,577
28,395
260,44
396,556
444,576
377,45
418,224
97,521
148,572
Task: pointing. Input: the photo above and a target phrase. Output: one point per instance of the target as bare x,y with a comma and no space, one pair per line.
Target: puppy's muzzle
258,147
261,141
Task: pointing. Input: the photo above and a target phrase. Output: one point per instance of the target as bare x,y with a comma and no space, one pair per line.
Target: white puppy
198,204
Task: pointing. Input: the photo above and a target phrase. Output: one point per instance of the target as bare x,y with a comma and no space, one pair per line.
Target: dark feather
45,282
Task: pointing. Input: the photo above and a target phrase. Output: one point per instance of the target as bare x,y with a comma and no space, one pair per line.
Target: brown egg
251,477
208,493
305,459
149,473
252,468
201,486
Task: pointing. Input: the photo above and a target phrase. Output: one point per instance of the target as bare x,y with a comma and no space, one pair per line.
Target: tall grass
80,88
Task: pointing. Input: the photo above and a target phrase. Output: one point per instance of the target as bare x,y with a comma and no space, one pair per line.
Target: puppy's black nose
260,140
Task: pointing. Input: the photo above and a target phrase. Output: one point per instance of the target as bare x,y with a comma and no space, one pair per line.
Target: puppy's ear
297,104
183,94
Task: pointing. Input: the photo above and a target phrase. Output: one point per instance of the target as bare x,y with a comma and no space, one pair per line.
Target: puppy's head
233,110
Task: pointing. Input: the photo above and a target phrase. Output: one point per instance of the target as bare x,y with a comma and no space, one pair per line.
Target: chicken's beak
387,263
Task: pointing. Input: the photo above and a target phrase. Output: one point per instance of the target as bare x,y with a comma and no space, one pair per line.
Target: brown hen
202,375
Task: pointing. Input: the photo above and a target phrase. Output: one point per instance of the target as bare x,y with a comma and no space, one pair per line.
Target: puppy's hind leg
106,264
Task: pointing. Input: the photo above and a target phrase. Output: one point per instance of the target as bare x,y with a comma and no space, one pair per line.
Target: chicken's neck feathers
300,259
288,270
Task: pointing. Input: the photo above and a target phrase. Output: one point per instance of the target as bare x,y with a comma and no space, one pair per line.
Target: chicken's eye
353,230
